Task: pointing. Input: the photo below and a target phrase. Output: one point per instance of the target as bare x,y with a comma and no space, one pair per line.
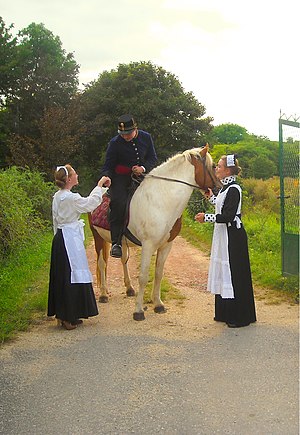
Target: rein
174,180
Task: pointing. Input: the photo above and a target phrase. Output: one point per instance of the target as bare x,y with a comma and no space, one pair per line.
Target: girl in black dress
229,276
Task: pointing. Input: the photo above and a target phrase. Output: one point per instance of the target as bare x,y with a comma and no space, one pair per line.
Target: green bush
263,194
25,208
39,191
198,203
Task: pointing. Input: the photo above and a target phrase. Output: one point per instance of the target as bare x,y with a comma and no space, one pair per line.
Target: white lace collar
228,180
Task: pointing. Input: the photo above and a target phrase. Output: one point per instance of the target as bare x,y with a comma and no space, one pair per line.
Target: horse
155,213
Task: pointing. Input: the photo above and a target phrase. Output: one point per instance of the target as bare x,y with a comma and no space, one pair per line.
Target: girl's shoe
68,325
77,322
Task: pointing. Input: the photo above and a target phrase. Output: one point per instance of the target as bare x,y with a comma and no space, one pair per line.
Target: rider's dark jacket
122,154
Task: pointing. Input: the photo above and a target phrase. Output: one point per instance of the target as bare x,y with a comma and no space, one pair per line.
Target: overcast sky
240,58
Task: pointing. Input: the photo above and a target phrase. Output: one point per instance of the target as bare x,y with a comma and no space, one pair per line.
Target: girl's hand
104,181
200,217
208,193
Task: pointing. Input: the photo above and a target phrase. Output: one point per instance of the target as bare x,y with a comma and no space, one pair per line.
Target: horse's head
204,172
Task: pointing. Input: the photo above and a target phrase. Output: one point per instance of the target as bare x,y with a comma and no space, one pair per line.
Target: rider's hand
137,170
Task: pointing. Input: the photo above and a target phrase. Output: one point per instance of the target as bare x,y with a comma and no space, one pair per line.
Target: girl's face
221,170
73,178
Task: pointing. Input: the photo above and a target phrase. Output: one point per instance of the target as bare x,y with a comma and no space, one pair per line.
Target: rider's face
129,136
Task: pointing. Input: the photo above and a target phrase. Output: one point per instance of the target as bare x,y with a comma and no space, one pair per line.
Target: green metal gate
289,135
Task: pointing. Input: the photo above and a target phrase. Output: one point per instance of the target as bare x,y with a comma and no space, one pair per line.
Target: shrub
25,208
263,194
39,191
198,203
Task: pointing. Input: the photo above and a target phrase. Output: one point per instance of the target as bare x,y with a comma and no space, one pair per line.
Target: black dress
239,311
67,301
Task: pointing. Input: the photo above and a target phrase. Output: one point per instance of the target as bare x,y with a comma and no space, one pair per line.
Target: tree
46,77
261,167
59,141
258,157
154,97
7,61
229,133
8,76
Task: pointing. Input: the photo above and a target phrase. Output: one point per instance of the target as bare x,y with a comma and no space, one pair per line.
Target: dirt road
174,373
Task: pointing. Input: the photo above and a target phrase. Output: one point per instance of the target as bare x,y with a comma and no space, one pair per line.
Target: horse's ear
204,150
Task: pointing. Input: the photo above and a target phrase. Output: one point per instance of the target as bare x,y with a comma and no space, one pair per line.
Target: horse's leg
101,248
127,281
162,254
102,272
143,279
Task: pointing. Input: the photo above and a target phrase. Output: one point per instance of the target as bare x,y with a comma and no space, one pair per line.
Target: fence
289,138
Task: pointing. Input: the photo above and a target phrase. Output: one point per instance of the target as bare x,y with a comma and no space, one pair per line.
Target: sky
240,58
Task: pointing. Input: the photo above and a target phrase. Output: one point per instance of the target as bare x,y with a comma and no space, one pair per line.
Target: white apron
73,235
219,274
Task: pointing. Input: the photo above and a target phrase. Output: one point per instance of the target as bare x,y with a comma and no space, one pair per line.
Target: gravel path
175,373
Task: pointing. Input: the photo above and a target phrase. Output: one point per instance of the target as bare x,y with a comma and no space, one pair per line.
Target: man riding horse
130,152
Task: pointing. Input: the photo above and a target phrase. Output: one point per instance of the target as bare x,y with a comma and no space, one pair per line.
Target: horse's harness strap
173,179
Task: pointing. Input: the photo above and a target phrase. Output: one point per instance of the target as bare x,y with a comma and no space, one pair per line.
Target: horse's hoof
160,309
103,299
139,316
130,292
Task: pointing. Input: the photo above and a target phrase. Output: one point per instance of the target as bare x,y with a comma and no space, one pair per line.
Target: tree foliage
45,121
155,97
47,77
36,75
7,60
258,157
229,133
59,141
61,131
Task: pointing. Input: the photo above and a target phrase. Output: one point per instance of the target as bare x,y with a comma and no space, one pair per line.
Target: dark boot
116,251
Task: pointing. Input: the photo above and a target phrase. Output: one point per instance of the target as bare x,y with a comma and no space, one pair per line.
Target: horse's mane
179,158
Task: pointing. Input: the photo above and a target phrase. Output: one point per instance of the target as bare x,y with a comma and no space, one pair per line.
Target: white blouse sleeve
212,199
209,217
89,203
54,214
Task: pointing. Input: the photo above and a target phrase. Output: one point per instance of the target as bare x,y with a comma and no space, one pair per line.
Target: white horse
155,220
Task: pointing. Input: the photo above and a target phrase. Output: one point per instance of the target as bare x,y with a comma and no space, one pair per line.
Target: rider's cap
126,124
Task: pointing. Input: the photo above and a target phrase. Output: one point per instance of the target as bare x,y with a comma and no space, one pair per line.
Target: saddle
100,216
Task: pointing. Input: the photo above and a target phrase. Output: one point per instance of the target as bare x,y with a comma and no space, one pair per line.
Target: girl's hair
62,174
234,170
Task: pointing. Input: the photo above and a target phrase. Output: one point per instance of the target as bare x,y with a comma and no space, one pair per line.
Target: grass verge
24,286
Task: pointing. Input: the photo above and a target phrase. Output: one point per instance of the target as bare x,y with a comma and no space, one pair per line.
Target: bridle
205,170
